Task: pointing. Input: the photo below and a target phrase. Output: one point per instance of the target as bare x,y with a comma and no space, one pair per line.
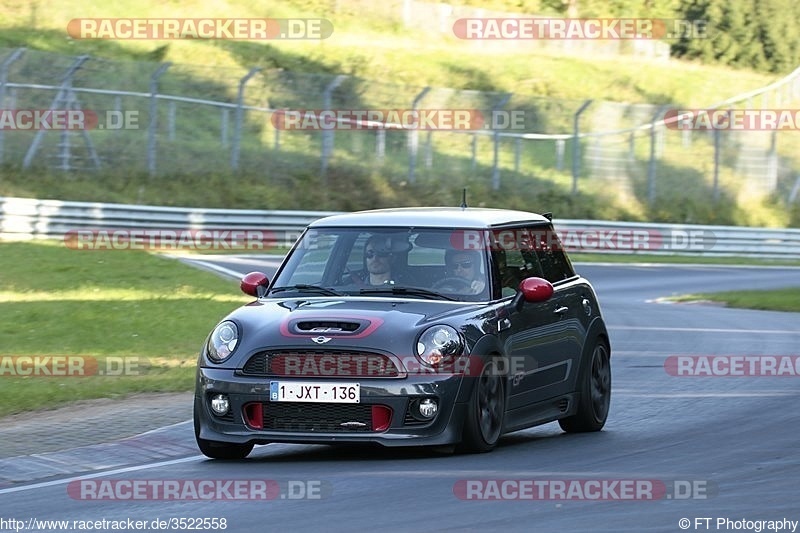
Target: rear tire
595,393
485,412
219,450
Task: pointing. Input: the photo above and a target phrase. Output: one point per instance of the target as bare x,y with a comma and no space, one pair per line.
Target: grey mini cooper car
405,327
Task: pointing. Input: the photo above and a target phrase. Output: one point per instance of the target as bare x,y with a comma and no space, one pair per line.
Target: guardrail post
118,109
429,150
496,136
153,126
632,146
795,190
561,145
380,145
225,115
772,161
171,120
413,138
328,135
16,54
717,147
651,164
276,136
576,146
237,128
474,146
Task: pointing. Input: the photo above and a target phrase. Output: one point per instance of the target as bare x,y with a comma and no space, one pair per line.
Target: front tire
485,412
595,393
219,450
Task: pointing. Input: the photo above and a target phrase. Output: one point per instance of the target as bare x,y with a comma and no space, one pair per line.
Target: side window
355,261
553,259
309,262
513,266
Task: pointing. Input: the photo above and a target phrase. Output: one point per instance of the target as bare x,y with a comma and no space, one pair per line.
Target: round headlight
222,341
439,344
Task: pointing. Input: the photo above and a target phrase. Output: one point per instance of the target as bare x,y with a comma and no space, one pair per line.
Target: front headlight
439,344
222,341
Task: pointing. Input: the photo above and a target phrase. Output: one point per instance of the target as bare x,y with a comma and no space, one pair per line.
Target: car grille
320,363
322,417
227,417
409,420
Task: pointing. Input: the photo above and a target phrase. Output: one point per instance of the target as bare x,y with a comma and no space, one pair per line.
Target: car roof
431,217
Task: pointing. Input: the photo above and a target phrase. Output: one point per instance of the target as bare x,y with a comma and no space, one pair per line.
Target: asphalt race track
718,447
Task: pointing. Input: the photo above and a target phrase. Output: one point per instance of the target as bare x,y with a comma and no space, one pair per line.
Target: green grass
776,300
389,64
98,304
370,42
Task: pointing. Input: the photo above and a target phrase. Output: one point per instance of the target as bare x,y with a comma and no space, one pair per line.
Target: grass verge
104,309
775,300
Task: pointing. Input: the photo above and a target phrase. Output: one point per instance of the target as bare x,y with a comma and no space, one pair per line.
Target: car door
543,338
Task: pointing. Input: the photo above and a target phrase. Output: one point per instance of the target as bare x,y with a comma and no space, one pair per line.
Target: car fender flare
596,329
487,347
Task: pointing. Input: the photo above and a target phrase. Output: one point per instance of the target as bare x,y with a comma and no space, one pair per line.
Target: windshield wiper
302,287
411,291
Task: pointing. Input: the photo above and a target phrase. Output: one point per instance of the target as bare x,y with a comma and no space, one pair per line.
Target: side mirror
532,290
255,284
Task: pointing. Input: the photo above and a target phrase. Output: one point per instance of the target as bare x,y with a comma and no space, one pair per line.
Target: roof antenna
464,198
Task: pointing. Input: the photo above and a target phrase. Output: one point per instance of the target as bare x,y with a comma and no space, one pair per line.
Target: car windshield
393,262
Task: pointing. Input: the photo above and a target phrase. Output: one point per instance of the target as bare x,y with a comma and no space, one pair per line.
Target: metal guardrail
26,218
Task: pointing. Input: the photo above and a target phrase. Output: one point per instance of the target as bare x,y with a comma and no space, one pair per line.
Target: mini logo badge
321,339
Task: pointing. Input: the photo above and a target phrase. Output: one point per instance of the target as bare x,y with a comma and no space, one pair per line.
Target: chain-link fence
166,119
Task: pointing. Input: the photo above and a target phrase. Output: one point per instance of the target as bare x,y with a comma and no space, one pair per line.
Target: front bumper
395,394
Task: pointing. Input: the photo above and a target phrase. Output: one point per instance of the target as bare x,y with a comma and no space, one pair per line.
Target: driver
378,258
466,265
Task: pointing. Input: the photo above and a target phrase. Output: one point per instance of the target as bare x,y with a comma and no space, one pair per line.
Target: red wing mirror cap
251,283
536,289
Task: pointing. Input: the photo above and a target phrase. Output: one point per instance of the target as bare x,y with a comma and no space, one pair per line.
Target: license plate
314,392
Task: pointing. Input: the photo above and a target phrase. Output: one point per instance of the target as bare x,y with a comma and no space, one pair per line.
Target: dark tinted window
553,259
513,265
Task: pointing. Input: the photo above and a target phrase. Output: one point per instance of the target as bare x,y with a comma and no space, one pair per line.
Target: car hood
350,321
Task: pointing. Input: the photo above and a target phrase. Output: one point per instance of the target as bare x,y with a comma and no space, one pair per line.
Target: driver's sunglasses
464,265
370,254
